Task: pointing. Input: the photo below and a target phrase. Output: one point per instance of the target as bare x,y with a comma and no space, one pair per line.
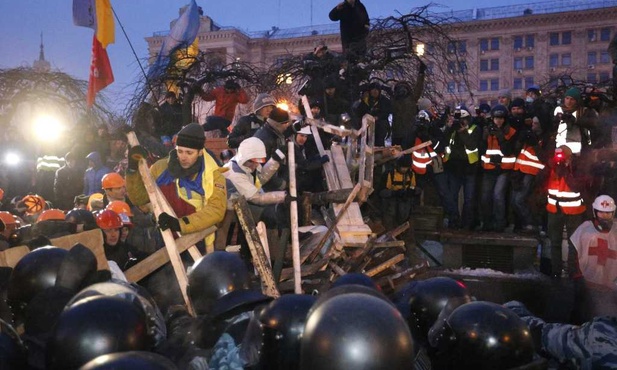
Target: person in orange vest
397,195
529,163
497,162
565,207
427,164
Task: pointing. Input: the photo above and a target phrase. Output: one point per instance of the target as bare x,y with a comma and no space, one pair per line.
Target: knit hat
279,115
506,93
518,102
191,136
263,100
574,93
424,104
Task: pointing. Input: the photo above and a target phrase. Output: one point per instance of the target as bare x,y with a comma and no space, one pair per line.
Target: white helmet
604,203
251,148
306,130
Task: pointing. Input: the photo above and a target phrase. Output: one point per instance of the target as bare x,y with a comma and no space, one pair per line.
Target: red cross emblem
602,252
605,203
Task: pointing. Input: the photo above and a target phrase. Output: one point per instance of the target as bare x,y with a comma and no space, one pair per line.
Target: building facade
510,47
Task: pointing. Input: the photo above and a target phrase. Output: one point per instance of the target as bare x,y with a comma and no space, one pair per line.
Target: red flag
101,74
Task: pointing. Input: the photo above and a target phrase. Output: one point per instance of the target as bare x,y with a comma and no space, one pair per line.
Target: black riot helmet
218,283
421,302
93,327
484,335
347,289
13,354
35,272
355,278
356,331
135,294
282,325
131,360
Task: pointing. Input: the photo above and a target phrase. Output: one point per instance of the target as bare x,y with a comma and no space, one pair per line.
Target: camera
492,128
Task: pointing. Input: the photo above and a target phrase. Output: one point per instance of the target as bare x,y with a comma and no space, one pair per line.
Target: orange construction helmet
108,219
112,180
51,214
8,218
33,203
120,207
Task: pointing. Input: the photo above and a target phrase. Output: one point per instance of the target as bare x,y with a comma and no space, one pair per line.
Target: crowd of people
528,164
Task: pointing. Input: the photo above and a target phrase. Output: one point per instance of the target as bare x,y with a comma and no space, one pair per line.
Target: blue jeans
520,193
468,182
494,187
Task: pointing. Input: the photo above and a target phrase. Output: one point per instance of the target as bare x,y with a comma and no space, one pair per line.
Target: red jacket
225,103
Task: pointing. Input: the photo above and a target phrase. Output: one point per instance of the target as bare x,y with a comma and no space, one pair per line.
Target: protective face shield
483,336
130,360
93,327
606,205
356,331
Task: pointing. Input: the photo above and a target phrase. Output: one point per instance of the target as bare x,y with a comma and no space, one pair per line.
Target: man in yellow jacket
189,178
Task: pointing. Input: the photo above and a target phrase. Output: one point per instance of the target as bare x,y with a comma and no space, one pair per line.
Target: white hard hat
306,130
604,203
251,148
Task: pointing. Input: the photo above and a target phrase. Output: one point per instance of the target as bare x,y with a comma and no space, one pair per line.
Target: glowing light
284,78
47,128
283,105
420,49
12,159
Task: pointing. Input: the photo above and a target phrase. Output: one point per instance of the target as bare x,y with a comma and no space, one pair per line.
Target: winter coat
226,103
68,183
354,21
195,212
94,175
246,127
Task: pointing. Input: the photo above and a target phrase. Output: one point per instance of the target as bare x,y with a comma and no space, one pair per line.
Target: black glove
568,118
289,198
167,221
135,154
324,159
422,67
278,156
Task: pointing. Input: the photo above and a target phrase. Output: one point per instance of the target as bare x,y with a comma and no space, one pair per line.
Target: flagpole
136,58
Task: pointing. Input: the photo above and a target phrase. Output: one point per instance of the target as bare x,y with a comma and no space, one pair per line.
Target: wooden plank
157,259
327,167
10,257
293,216
168,238
305,270
92,239
260,260
351,197
386,265
345,230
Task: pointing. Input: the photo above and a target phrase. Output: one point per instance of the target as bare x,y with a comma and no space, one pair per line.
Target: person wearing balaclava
189,178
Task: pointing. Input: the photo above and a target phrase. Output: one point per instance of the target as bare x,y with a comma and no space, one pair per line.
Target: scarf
183,175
